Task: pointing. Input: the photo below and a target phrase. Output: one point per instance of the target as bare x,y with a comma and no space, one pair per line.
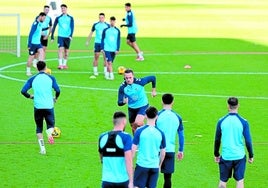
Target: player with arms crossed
230,131
65,34
132,92
98,27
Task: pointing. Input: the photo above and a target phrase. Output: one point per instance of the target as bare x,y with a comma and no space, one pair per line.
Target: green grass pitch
226,45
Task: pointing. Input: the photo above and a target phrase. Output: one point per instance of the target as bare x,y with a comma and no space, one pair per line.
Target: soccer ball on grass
57,132
121,70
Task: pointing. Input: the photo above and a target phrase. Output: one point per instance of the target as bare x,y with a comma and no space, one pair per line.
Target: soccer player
65,34
46,31
42,85
151,143
170,123
132,30
132,92
110,44
98,27
34,44
115,154
231,131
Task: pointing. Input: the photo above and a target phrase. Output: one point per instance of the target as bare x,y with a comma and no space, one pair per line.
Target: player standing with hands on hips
230,131
132,30
65,34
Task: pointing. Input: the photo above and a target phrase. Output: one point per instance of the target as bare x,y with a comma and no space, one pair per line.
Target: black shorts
106,184
97,47
131,37
34,49
227,167
64,42
145,177
43,41
167,166
133,112
40,115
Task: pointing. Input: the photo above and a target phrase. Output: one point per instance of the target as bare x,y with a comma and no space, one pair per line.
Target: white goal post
10,33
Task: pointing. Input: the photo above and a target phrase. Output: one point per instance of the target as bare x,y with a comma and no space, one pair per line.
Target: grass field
228,58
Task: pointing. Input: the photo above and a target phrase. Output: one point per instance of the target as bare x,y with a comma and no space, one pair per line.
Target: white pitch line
2,69
156,73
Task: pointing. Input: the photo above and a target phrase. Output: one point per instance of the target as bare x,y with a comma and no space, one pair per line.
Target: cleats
60,67
65,67
140,59
43,152
109,78
49,136
50,139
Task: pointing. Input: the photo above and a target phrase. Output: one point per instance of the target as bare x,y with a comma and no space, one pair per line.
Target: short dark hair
128,5
233,102
112,18
46,6
42,14
63,5
167,98
41,65
118,115
129,71
101,14
151,112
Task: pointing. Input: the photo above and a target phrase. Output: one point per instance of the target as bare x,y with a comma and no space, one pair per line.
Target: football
48,71
121,70
57,132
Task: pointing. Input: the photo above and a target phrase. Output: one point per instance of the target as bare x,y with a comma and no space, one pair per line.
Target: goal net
10,34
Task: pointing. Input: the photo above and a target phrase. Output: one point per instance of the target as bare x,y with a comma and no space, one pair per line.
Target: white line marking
157,73
2,69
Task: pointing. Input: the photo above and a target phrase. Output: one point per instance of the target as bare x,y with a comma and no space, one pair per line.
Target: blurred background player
170,123
115,154
42,85
98,27
132,30
110,44
34,43
132,92
232,132
46,31
65,34
150,143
